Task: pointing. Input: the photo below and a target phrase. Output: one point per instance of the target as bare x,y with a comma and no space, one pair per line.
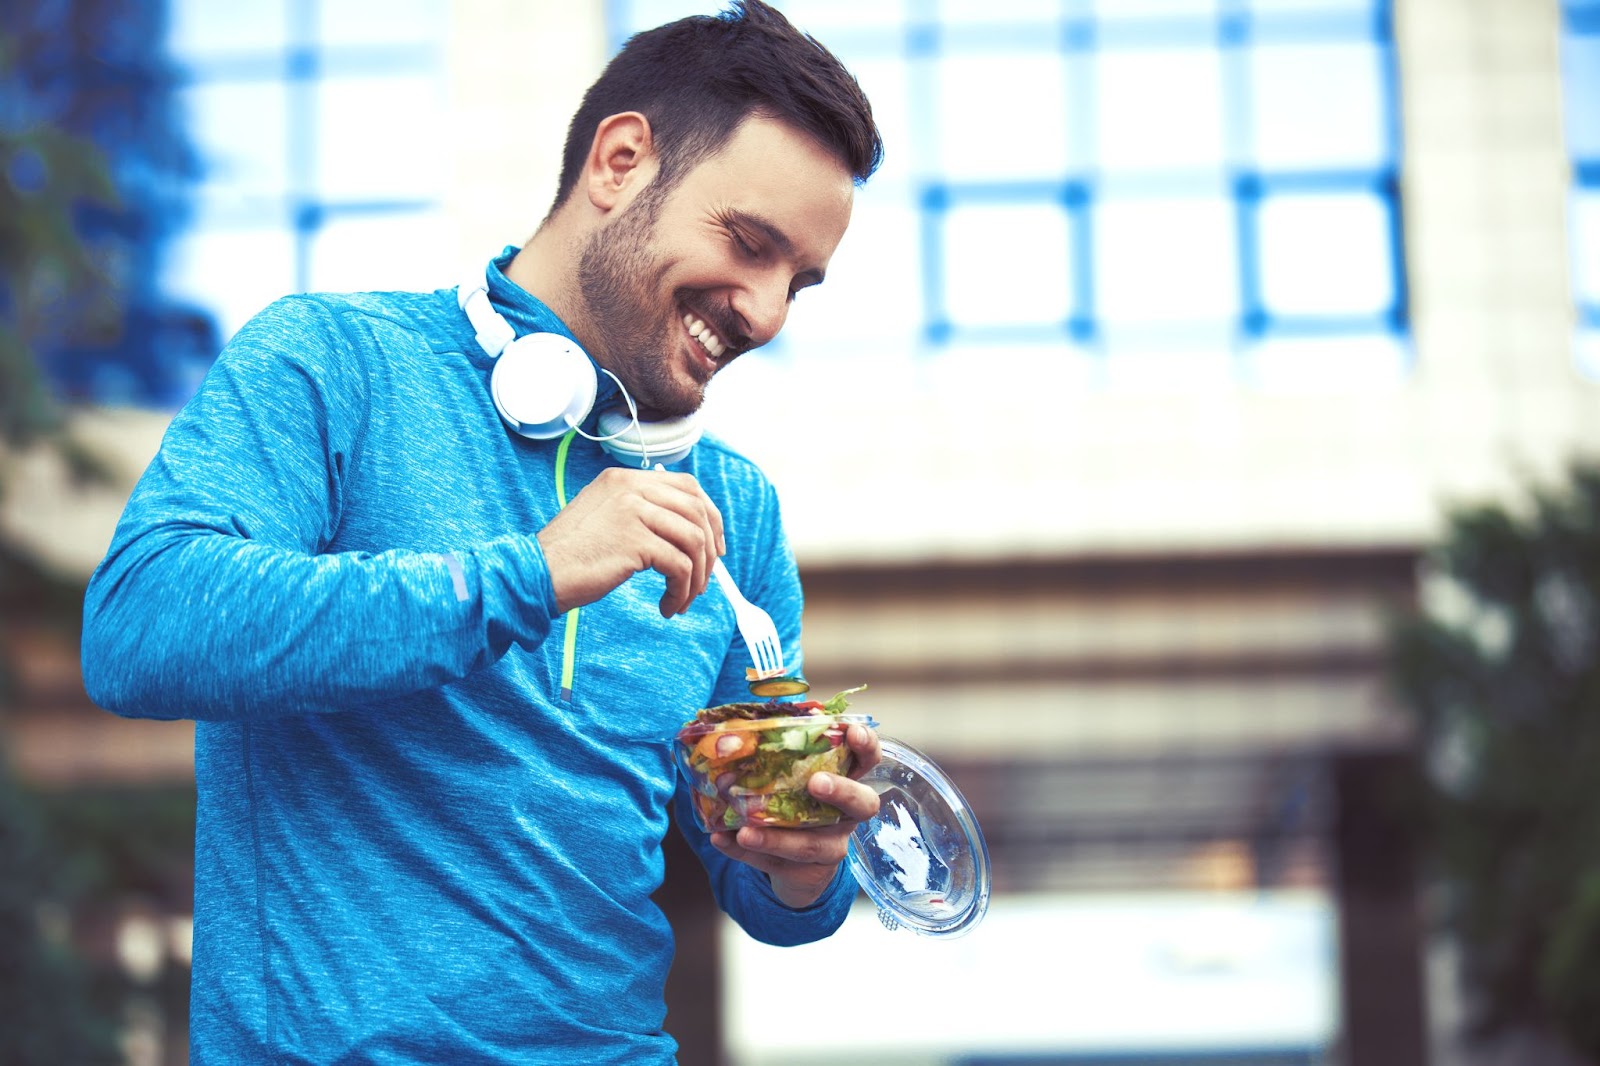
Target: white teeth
702,333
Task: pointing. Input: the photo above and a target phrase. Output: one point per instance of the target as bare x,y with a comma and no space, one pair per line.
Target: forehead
771,169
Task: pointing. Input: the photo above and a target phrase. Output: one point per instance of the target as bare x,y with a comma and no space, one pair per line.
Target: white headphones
544,384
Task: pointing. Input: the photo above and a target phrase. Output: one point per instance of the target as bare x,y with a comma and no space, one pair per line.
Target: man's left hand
802,862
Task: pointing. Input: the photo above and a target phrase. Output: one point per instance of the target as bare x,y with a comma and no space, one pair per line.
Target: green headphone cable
569,646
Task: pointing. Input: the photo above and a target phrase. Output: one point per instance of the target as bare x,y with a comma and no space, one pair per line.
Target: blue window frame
303,114
1580,57
1158,187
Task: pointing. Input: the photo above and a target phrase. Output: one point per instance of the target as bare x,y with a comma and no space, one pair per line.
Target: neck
546,268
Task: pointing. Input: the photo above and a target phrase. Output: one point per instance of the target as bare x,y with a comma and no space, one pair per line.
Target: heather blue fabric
410,848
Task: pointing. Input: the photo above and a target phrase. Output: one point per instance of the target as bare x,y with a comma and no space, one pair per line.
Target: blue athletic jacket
413,846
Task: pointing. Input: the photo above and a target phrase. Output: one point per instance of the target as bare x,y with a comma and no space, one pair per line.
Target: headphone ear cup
667,441
543,384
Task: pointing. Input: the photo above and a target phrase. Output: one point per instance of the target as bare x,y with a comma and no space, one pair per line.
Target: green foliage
76,281
45,267
46,1012
122,842
1569,974
48,274
75,854
54,1007
1502,669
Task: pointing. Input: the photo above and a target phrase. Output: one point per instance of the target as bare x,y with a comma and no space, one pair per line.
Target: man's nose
764,307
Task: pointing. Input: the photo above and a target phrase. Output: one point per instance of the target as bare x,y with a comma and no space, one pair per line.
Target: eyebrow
779,238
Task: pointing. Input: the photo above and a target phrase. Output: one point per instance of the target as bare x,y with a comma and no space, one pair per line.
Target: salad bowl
749,763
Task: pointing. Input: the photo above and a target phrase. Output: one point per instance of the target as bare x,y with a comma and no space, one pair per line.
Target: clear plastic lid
922,860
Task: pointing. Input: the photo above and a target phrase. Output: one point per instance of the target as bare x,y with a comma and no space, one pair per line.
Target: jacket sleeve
216,599
771,578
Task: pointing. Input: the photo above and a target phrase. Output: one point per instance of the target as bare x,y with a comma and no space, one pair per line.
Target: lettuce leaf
838,704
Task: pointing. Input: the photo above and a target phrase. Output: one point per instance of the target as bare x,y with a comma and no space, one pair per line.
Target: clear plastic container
754,771
923,860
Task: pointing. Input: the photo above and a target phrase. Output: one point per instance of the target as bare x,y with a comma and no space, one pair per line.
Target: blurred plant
95,171
92,181
96,180
1501,665
45,995
46,174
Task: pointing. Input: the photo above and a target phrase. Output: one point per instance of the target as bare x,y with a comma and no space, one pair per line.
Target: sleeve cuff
519,599
785,926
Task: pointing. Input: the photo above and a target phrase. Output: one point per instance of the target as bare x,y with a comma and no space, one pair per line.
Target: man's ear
622,161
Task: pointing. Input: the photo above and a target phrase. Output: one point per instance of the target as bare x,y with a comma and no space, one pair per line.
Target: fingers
703,506
856,801
801,863
817,845
863,740
689,526
626,521
772,849
682,555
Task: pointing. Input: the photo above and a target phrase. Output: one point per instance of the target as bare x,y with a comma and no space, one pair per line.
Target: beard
630,332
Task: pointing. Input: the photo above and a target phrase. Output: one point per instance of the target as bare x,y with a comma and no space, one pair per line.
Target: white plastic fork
755,625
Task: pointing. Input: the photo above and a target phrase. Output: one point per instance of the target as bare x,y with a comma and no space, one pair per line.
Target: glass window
238,130
366,144
365,23
1318,107
1158,109
984,122
996,276
1165,183
201,30
303,115
1580,56
1164,261
1350,275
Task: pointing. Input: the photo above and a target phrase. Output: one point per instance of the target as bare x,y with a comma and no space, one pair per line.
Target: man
434,650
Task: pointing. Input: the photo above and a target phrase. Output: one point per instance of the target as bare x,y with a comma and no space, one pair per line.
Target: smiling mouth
714,345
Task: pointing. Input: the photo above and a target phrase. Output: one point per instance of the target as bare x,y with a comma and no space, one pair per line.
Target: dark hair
698,78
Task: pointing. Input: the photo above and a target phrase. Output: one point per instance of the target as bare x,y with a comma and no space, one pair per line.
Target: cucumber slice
779,686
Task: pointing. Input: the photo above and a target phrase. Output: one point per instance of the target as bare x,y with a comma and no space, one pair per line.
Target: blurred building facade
1133,604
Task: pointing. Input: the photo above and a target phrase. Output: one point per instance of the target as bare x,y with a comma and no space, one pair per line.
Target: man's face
681,284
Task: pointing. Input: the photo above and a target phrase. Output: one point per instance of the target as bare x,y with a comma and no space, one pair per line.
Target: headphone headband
493,332
641,443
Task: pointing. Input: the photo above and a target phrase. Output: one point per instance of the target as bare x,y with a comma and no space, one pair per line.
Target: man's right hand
625,521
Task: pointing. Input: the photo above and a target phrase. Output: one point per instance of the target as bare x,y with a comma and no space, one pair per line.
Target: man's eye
745,247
